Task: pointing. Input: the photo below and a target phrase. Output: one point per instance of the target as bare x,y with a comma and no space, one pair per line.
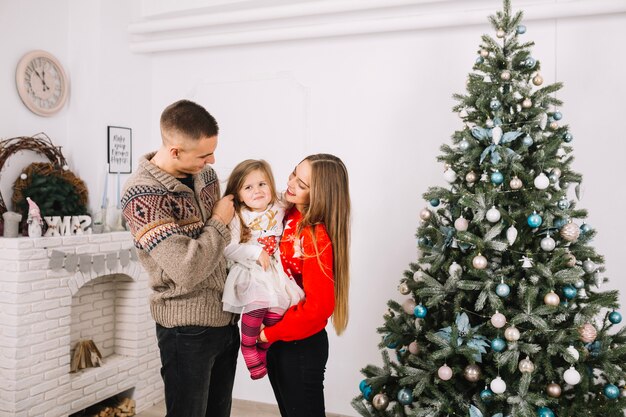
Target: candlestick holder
100,224
118,225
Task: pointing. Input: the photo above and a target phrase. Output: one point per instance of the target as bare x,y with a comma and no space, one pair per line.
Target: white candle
106,185
119,203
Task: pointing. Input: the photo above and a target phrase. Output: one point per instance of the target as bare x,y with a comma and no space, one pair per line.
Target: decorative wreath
55,189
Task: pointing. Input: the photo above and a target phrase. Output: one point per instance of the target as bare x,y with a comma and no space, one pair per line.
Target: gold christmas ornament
554,125
571,260
515,183
471,177
500,33
570,232
537,80
472,373
551,299
587,332
505,76
425,214
380,401
526,366
512,334
484,53
553,390
527,103
479,262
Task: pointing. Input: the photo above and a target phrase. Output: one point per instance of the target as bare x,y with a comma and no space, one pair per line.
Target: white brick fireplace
45,310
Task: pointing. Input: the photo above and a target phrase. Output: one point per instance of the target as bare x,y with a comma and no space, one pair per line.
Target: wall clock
41,83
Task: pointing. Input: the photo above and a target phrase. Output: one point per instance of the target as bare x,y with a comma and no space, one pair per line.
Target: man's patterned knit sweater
180,247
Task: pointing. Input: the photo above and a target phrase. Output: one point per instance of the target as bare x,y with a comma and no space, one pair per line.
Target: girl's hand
264,260
262,337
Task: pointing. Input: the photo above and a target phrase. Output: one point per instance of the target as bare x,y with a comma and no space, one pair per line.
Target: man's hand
264,260
224,209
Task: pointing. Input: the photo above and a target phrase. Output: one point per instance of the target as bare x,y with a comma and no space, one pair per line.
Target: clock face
41,83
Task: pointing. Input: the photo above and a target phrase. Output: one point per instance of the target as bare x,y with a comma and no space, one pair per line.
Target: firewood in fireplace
86,355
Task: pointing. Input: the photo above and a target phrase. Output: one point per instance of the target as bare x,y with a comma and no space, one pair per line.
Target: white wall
381,102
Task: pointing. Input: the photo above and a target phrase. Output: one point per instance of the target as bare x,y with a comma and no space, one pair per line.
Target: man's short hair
189,119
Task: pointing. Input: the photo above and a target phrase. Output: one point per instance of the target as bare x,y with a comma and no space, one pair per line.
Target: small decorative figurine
35,222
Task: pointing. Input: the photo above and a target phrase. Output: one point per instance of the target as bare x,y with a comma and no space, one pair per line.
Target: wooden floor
240,408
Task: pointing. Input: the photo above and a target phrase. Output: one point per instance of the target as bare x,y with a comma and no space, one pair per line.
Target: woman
314,251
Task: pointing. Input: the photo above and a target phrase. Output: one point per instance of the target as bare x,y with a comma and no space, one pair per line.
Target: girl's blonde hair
235,184
329,204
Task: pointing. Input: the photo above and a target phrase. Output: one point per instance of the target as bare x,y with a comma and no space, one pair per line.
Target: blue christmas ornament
365,389
544,412
568,137
434,202
521,29
584,228
495,104
420,311
615,317
611,391
560,222
594,348
530,62
486,395
503,290
569,292
527,141
563,203
480,60
557,115
497,178
423,241
534,220
405,396
390,345
498,344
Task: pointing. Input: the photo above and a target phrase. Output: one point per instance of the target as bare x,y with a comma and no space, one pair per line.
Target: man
178,223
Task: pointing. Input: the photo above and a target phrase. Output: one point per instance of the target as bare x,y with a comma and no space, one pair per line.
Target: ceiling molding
335,18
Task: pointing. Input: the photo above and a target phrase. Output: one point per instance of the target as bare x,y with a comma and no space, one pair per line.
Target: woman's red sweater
313,273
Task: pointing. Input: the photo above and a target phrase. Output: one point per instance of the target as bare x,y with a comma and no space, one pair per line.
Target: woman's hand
262,337
264,260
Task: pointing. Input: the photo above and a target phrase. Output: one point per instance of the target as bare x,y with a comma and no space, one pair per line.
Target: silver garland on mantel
88,262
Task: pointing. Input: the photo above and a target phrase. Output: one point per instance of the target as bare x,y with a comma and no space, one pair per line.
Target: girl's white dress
248,287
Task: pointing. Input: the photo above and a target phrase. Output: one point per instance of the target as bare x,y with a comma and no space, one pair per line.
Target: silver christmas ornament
449,175
551,299
455,269
548,244
472,373
526,366
589,266
570,232
515,183
579,284
417,276
479,262
553,390
512,334
556,171
425,214
464,145
380,401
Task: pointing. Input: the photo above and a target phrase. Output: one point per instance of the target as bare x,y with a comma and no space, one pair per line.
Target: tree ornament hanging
464,145
444,372
587,333
425,214
449,175
589,266
541,181
479,262
548,244
570,232
455,269
551,299
409,305
498,320
534,220
545,412
500,33
512,334
471,177
497,178
405,396
493,214
472,373
569,292
563,203
515,183
615,317
527,141
484,53
571,376
420,311
611,391
380,401
571,259
527,103
498,344
498,386
403,288
511,234
526,366
503,290
414,348
537,80
505,75
486,395
461,224
573,352
553,390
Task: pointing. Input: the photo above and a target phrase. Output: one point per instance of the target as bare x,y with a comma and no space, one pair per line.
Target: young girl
315,251
257,286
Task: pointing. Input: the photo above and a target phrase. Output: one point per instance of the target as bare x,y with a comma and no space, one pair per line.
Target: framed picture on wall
119,146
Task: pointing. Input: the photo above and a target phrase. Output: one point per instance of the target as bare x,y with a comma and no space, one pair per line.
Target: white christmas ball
444,372
493,214
471,177
417,276
484,53
496,134
500,33
505,75
589,266
527,103
526,366
461,224
65,168
414,348
455,269
511,234
449,175
548,244
498,320
479,262
23,176
408,306
571,376
574,352
498,386
551,299
542,181
511,334
515,183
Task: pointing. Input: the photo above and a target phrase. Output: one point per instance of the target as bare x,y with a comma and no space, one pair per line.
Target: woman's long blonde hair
329,204
236,182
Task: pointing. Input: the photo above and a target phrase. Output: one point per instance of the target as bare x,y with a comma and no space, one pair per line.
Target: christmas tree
503,314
